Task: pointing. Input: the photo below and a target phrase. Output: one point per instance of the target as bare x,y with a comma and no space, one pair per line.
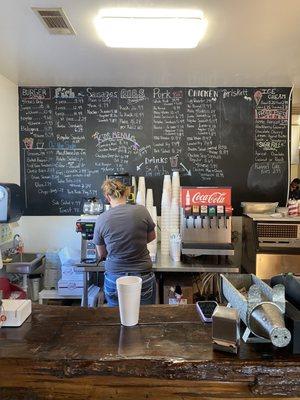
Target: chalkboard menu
71,137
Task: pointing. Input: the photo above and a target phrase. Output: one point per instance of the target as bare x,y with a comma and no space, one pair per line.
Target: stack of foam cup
152,246
149,198
134,184
129,297
176,186
167,184
141,192
174,217
174,211
165,215
175,246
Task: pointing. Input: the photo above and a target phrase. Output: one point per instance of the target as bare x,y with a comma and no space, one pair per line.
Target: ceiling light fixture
150,28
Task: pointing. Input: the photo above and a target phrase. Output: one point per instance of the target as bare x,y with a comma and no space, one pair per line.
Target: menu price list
71,137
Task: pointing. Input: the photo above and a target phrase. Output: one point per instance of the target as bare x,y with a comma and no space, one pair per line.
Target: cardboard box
70,288
186,286
69,272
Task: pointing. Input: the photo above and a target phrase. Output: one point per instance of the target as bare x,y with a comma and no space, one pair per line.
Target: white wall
39,233
48,233
9,145
9,142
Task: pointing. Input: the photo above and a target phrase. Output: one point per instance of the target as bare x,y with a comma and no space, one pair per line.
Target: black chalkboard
71,137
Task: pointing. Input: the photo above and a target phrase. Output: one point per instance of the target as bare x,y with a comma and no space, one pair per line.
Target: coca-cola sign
205,196
214,198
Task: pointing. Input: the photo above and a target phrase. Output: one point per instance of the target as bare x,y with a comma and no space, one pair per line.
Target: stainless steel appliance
292,315
271,245
226,329
205,221
86,225
11,207
92,206
261,308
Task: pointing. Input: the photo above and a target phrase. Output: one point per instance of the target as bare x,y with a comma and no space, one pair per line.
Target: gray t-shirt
123,230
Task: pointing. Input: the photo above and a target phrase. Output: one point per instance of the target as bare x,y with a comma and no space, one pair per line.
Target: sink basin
26,263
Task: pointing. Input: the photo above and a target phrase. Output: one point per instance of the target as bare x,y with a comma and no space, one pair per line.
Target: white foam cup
129,296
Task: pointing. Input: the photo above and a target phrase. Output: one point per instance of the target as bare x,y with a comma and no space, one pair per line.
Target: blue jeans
148,287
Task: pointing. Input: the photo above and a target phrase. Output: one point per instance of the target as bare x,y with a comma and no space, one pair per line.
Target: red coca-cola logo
212,198
191,196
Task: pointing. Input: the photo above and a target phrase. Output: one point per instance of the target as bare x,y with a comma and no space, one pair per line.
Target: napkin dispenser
14,312
11,207
226,329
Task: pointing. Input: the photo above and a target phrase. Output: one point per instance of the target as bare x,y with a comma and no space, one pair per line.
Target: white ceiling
248,43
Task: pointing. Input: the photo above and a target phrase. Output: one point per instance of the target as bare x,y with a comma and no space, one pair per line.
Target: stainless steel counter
164,264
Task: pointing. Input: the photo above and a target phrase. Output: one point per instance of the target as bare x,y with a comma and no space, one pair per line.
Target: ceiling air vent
55,20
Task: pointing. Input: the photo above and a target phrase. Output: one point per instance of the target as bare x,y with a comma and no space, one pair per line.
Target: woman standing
121,235
295,189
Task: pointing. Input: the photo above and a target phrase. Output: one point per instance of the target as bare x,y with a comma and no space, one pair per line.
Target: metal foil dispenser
261,308
11,203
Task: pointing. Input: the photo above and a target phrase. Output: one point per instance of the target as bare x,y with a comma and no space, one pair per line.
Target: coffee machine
86,226
92,208
205,221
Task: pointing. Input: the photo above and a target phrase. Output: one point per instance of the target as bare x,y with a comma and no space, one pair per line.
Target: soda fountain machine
205,221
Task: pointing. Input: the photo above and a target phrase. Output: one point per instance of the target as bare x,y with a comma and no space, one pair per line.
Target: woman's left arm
151,236
101,250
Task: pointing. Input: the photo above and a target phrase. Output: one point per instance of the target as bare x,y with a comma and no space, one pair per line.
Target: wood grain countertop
80,353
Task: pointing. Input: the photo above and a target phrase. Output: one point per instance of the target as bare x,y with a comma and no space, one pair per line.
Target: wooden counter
78,353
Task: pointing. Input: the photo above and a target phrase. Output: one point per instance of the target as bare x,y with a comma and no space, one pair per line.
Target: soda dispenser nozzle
203,214
187,214
227,215
195,214
211,213
220,214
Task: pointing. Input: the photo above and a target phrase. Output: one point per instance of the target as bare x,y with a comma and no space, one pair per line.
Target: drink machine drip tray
225,249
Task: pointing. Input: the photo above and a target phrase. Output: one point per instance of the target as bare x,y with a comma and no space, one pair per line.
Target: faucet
13,247
16,240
